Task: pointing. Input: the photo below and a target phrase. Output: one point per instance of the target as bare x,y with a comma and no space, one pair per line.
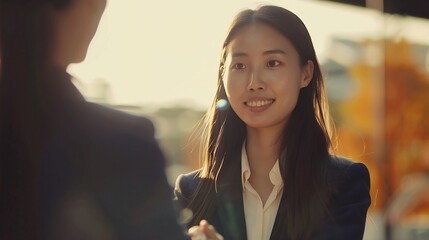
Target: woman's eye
273,63
239,66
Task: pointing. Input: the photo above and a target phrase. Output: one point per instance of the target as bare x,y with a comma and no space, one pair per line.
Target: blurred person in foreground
71,169
268,169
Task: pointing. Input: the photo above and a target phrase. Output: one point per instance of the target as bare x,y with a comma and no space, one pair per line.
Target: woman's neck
262,147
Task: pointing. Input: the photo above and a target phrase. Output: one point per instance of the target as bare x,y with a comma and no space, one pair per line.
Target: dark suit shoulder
349,204
185,186
341,163
95,140
355,185
113,120
85,130
348,171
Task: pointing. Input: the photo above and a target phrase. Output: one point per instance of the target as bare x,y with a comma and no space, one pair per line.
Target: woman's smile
259,104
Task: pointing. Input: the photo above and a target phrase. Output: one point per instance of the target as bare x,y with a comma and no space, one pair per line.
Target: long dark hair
25,38
305,146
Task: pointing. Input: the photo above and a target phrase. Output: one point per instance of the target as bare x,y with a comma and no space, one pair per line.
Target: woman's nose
256,81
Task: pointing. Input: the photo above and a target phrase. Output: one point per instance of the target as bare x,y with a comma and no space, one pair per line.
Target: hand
204,231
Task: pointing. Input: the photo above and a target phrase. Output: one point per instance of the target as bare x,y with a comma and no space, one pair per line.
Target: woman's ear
221,70
307,73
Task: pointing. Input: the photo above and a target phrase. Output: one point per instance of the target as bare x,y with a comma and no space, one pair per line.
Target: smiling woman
268,171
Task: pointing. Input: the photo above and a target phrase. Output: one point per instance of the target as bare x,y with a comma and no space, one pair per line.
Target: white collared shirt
259,217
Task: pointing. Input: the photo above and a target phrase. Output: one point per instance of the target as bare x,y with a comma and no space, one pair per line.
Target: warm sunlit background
162,52
160,59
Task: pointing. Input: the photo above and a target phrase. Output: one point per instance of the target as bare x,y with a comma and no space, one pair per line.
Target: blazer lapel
230,211
280,225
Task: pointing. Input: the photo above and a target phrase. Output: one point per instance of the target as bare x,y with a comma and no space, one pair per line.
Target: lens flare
222,104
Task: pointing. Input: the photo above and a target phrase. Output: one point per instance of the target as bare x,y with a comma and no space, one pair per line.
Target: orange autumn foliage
385,123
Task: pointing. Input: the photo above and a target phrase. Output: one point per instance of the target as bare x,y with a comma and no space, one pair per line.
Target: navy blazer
347,213
102,173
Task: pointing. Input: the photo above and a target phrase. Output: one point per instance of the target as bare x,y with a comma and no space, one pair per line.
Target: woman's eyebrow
268,52
274,51
239,54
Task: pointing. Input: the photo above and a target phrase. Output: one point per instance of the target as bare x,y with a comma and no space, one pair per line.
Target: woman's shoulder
186,184
350,174
346,166
350,200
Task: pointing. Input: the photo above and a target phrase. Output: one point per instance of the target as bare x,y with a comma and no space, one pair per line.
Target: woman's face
75,27
263,76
